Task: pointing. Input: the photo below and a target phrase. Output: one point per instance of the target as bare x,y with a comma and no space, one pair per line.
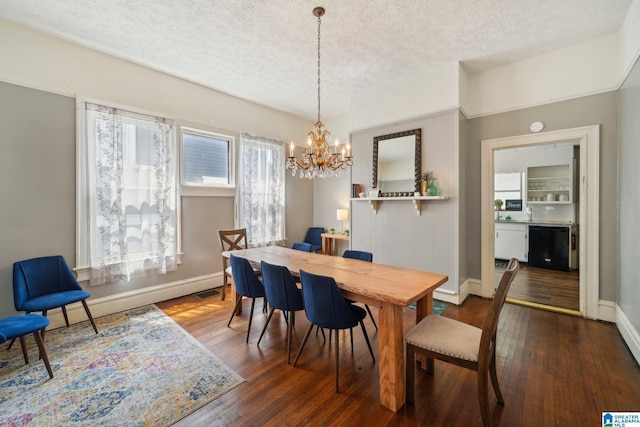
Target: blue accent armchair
23,324
313,237
42,284
301,246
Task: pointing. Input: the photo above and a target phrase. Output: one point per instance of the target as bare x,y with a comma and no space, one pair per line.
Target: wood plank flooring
541,286
553,370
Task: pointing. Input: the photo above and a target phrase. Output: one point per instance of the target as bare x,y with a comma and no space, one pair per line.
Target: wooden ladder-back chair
230,240
461,344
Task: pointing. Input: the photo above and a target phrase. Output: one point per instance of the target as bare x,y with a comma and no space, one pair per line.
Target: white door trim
589,175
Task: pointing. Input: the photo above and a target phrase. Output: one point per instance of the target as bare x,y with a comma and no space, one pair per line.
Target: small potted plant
498,204
346,231
428,184
332,230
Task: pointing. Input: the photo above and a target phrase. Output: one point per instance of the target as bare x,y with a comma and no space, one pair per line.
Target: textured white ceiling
266,50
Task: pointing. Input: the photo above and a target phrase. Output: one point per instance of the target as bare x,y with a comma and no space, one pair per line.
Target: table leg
424,307
324,246
391,356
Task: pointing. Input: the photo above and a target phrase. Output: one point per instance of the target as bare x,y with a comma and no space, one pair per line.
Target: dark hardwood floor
560,289
553,369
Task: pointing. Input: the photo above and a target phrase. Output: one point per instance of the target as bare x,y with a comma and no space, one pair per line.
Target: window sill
198,191
83,274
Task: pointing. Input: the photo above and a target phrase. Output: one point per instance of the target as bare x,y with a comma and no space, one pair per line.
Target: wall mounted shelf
374,201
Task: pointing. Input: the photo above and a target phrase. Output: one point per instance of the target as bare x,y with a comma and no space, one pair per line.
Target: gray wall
38,208
396,235
629,195
586,111
37,180
463,193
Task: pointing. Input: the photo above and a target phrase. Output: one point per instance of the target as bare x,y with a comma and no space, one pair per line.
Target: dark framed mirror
397,163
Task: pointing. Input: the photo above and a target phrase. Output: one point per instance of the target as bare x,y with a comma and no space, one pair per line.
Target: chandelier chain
319,21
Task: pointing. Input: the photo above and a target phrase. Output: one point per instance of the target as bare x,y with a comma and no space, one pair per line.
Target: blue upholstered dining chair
282,294
363,256
23,324
326,307
42,284
247,285
314,238
301,246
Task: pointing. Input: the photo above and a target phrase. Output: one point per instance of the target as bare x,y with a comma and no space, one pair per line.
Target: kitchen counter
536,222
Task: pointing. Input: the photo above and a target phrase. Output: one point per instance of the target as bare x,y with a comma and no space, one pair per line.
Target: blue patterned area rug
142,369
438,306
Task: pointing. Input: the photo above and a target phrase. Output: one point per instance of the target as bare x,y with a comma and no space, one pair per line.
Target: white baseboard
137,298
474,286
628,332
607,311
451,297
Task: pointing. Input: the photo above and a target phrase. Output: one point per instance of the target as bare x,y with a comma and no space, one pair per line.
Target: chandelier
318,160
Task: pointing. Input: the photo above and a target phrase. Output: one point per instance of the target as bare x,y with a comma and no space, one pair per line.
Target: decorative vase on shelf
432,190
425,187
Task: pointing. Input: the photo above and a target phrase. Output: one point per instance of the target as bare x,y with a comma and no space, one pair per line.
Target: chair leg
483,398
43,353
235,309
304,341
23,344
253,304
371,316
494,379
86,308
266,324
430,366
290,335
337,349
44,313
225,282
409,369
64,313
366,337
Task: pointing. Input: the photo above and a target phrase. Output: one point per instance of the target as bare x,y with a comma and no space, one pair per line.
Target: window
261,193
206,159
128,200
508,186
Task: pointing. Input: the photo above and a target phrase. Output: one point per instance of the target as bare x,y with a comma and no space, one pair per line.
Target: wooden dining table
387,287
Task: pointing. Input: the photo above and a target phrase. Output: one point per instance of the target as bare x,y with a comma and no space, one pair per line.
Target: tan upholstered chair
230,240
451,341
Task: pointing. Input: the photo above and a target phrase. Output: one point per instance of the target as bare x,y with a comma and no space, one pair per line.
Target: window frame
207,190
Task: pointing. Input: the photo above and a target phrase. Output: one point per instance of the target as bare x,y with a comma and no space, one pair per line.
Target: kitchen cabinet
550,184
511,241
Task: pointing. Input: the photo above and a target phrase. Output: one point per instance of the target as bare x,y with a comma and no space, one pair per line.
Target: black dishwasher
549,247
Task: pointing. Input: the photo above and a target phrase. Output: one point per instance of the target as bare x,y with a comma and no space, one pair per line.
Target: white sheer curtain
260,190
131,184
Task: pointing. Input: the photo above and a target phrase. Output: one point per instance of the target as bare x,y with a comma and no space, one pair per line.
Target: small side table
329,242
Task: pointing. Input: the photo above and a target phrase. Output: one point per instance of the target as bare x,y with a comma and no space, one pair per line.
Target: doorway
588,140
536,222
